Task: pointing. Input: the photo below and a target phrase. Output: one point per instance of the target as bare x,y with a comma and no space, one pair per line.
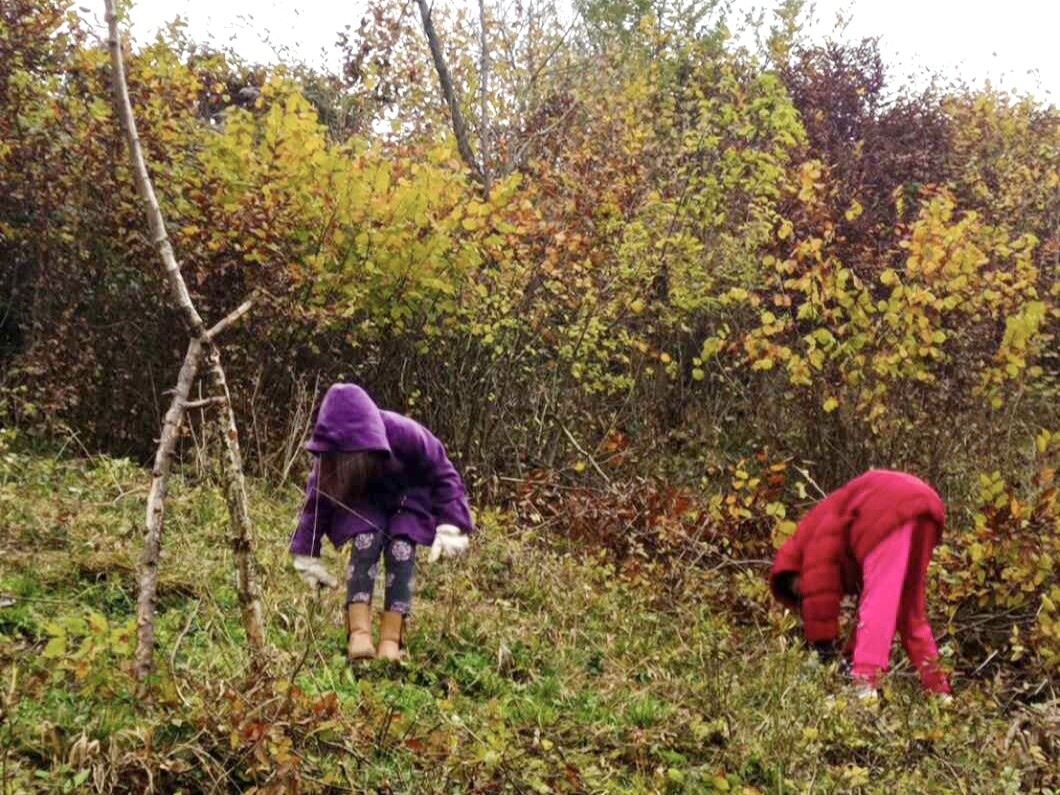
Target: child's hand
448,543
827,650
313,573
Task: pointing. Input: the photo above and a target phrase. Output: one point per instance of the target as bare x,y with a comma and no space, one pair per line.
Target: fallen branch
159,236
585,453
241,537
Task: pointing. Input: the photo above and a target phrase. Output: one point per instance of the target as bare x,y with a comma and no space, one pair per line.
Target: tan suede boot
390,626
359,631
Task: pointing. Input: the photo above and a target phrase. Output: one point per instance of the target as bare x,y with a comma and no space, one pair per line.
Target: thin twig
585,453
314,602
202,403
811,481
985,663
176,646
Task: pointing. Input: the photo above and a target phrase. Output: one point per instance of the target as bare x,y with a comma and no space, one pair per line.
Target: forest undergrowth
539,663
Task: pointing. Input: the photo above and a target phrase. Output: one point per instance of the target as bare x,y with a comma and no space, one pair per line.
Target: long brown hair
347,477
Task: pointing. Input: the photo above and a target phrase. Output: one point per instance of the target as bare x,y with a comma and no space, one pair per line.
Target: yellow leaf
831,404
824,336
55,648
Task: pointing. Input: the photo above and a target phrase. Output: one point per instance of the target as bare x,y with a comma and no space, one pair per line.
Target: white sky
1012,43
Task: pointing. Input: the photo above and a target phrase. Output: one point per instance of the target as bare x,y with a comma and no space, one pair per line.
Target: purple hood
348,422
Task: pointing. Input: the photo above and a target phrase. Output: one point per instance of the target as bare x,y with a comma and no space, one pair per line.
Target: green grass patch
534,668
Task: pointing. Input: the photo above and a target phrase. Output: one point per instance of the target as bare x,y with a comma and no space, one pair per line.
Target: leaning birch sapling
202,351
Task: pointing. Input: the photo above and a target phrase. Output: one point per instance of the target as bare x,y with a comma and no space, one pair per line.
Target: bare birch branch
241,531
232,317
159,236
201,345
156,500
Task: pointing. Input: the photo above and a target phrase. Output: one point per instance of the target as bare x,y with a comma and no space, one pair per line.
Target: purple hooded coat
418,488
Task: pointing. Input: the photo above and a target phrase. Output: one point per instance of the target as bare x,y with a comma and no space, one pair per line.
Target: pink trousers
893,599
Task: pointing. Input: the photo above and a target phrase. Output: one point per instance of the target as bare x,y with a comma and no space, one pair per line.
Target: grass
536,666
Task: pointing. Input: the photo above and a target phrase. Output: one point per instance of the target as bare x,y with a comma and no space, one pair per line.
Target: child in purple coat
383,481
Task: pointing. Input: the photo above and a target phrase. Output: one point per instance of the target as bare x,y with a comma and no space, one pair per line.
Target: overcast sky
1011,43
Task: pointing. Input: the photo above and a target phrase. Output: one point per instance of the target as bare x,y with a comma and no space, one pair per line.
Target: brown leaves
636,517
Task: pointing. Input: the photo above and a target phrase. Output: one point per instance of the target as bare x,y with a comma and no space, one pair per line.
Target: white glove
448,543
867,695
313,573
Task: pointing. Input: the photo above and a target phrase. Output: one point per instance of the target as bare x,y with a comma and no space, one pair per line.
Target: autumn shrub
874,140
998,572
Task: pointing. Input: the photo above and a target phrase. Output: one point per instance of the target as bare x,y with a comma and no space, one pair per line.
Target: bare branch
216,400
230,318
156,501
159,236
200,347
445,80
586,453
241,536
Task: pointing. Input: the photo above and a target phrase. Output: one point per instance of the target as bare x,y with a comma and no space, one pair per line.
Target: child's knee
401,553
365,546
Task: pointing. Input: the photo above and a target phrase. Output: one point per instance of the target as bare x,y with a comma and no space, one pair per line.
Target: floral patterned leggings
400,555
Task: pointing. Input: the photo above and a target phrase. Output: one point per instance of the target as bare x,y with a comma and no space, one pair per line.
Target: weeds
538,665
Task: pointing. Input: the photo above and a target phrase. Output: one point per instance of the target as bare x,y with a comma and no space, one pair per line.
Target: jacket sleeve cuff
821,631
303,542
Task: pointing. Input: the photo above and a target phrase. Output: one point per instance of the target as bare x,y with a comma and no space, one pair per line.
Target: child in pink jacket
874,536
